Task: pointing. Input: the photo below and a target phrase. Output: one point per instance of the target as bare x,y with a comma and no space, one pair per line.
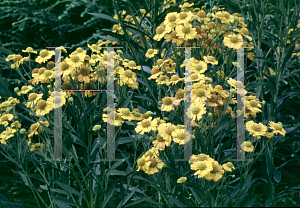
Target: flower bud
236,19
49,86
209,15
29,143
71,100
16,89
193,137
209,115
166,118
233,176
151,138
23,131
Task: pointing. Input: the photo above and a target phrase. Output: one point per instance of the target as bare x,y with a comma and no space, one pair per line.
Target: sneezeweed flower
277,128
153,165
160,143
210,60
29,50
5,135
179,96
37,146
197,110
170,19
145,126
203,168
228,166
255,129
186,31
151,52
174,80
75,60
96,128
5,118
161,31
43,107
165,130
247,146
94,48
94,59
127,77
85,74
44,56
156,122
181,180
125,113
16,125
217,172
184,17
233,41
198,67
141,164
244,31
113,118
24,90
180,136
167,104
269,135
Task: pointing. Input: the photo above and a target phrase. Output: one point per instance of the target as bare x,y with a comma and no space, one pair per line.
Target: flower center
131,64
169,130
47,73
210,58
44,53
194,76
153,163
150,51
200,93
146,123
24,88
162,78
253,103
160,61
248,144
229,164
94,46
234,39
64,66
160,139
201,165
155,70
218,87
160,30
42,70
94,56
245,31
29,49
181,134
32,96
42,104
201,14
179,95
79,50
256,127
141,161
167,101
173,34
186,30
214,98
226,15
128,73
75,58
195,109
198,67
183,15
85,71
137,114
145,116
278,126
148,154
4,118
172,18
174,78
126,112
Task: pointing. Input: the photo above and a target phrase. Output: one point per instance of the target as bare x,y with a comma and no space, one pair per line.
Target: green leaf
104,16
109,195
4,91
24,178
277,176
62,202
6,51
138,200
129,195
69,189
177,202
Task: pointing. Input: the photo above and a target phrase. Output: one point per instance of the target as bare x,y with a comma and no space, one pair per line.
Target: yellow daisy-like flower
161,31
75,60
142,164
210,60
199,67
277,128
156,122
247,146
29,50
96,128
127,77
186,31
34,130
165,130
167,104
94,59
125,113
44,56
184,17
145,126
5,135
5,118
217,172
132,65
59,98
174,80
181,180
43,107
198,109
153,164
151,52
233,41
33,98
253,106
113,118
179,136
16,124
85,74
228,166
202,167
94,48
170,19
25,90
244,32
255,129
160,142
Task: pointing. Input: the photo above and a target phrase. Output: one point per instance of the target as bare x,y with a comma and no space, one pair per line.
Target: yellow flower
132,65
179,136
125,113
170,19
151,52
202,167
247,146
113,118
184,17
145,126
174,80
197,110
43,107
228,166
156,122
33,98
85,74
141,164
5,118
186,31
29,50
165,130
58,97
94,59
198,67
161,31
233,41
5,135
255,129
181,180
127,77
153,164
217,172
167,104
16,124
94,48
244,32
210,60
96,128
75,60
277,128
34,129
44,56
25,90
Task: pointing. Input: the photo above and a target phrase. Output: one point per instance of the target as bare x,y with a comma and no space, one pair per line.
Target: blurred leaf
4,91
104,16
62,202
24,178
277,176
69,189
177,202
